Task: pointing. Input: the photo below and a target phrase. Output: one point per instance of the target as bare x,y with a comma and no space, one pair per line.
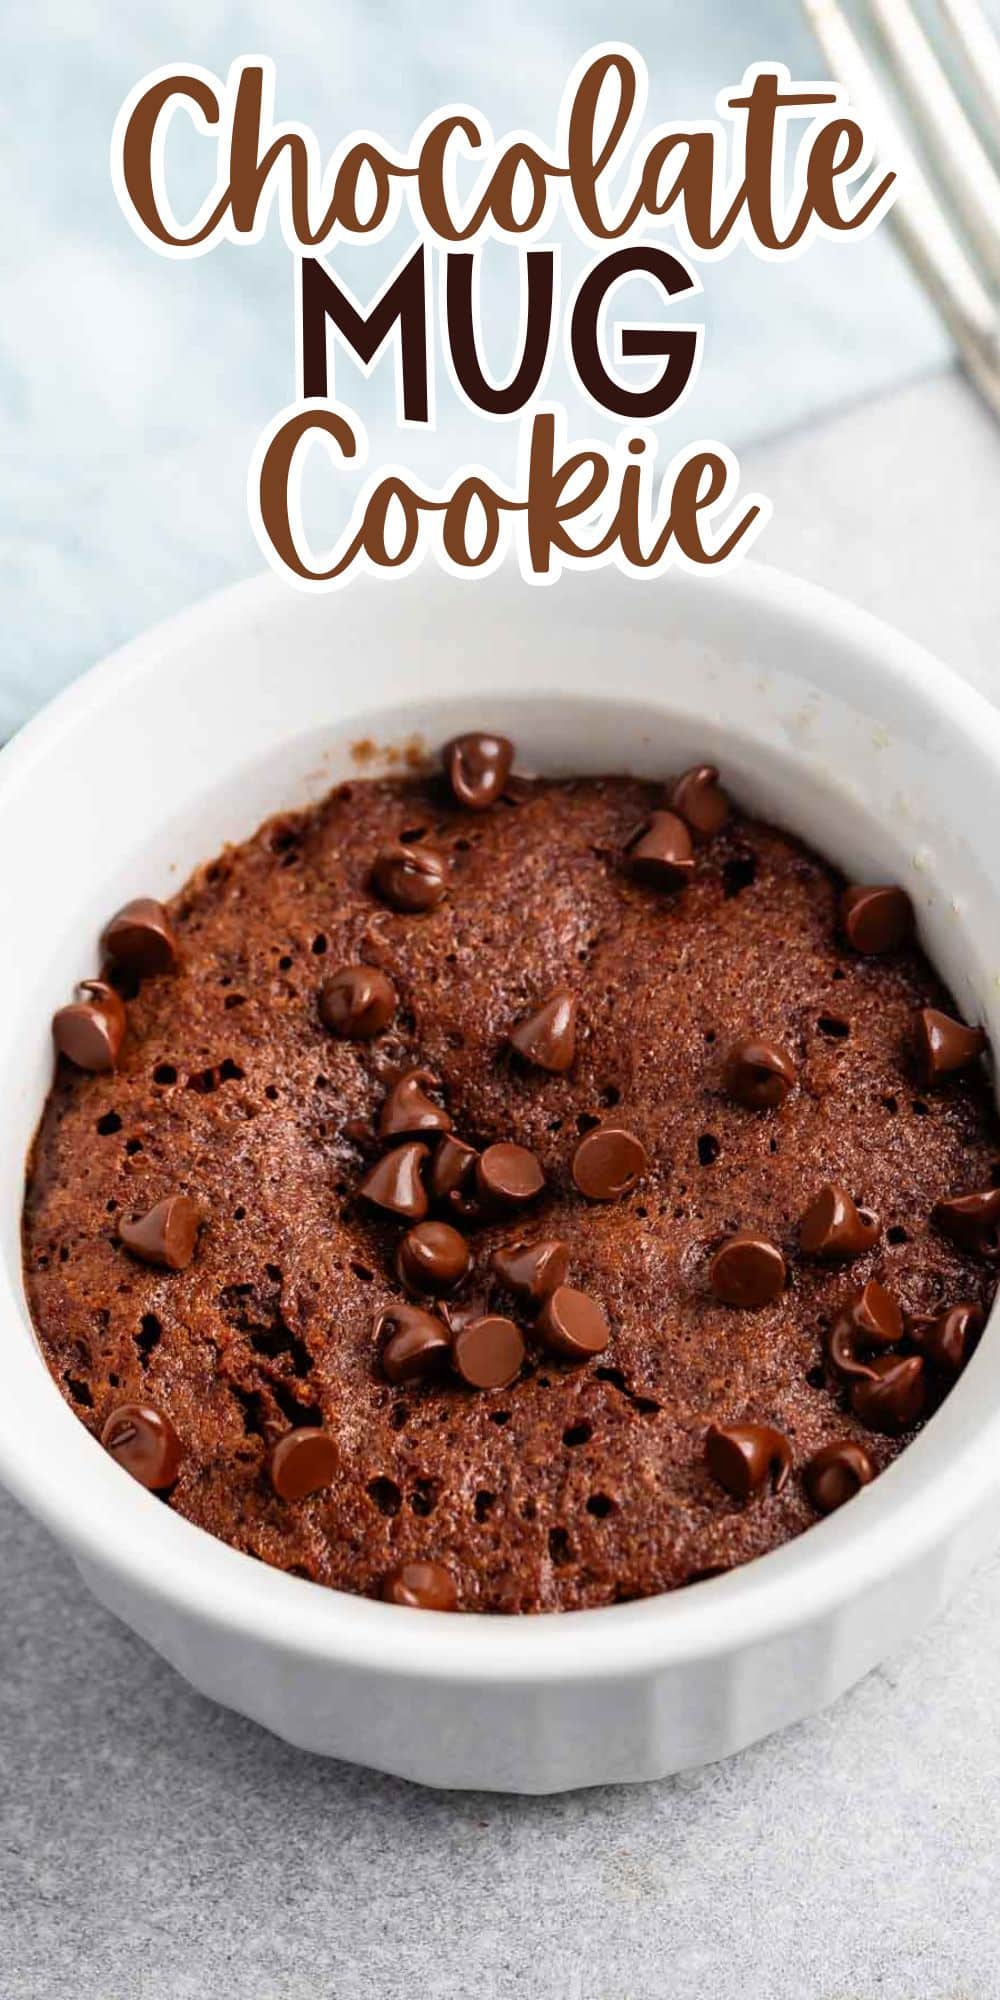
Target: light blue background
133,389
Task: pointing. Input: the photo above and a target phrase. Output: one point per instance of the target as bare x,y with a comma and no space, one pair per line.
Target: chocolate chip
944,1045
408,1109
532,1270
361,1133
508,1175
141,939
744,1457
892,1397
758,1074
916,1324
660,854
457,1313
836,1473
423,1586
573,1324
452,1167
699,799
302,1462
871,1318
90,1032
947,1341
842,1346
488,1353
469,1207
747,1270
972,1221
833,1226
608,1163
415,1343
432,1257
396,1182
145,1443
412,880
875,1315
876,919
547,1037
357,1002
478,766
166,1236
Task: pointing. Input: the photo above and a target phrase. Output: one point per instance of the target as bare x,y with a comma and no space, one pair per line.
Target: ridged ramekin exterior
820,717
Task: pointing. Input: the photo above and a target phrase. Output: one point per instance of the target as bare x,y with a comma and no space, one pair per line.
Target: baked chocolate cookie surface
512,1195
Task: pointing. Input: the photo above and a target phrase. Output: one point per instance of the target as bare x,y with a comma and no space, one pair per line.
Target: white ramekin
820,717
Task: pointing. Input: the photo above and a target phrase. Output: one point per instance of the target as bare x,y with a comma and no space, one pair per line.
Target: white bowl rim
837,1560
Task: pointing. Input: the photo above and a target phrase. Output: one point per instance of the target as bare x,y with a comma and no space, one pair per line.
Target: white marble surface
155,1848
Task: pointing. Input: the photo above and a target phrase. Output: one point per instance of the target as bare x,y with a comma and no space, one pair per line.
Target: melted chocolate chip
572,1324
457,1313
469,1206
357,1002
744,1457
166,1236
747,1270
302,1462
699,799
408,1109
415,1343
892,1396
423,1586
532,1270
944,1045
507,1175
875,1315
947,1341
836,1473
487,1353
140,939
608,1163
758,1074
478,767
90,1032
547,1037
972,1221
145,1443
870,1319
660,854
396,1182
452,1168
412,880
834,1227
876,919
842,1346
432,1257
